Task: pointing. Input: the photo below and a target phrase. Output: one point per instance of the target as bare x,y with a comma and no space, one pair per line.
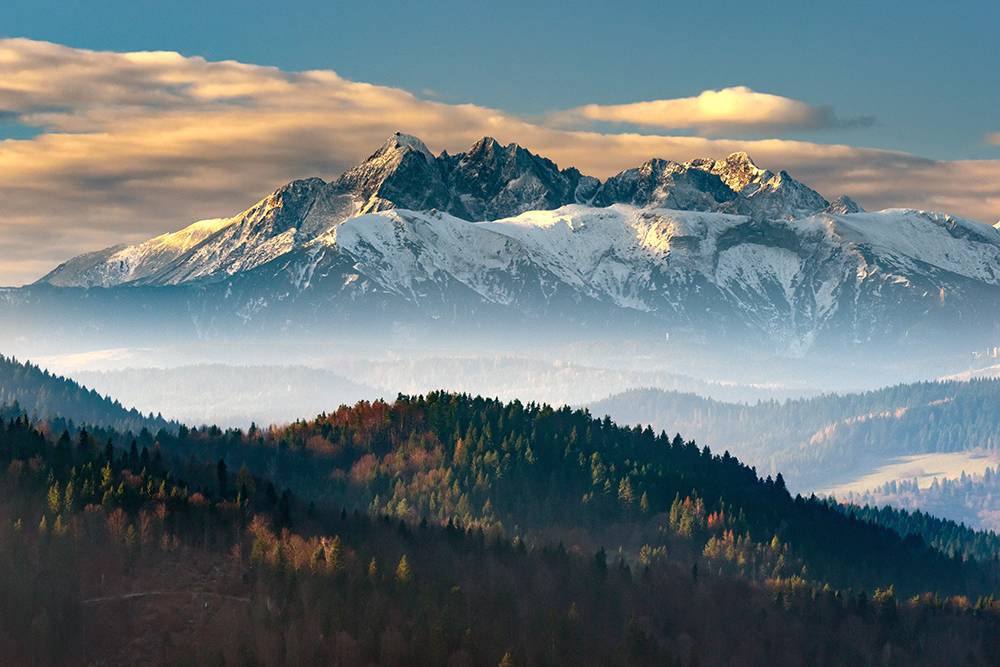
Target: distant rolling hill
824,441
26,388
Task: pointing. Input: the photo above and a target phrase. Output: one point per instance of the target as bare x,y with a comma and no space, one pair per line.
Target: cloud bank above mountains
131,145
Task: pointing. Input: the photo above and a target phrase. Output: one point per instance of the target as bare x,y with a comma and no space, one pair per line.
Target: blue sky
925,74
895,106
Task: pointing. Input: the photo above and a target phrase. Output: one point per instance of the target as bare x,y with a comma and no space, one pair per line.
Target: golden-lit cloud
993,139
133,145
712,112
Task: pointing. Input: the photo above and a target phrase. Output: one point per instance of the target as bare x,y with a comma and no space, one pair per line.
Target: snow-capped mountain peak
738,171
665,184
843,205
400,173
788,282
400,140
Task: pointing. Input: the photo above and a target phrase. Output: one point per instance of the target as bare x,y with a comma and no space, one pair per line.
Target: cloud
137,144
713,112
993,139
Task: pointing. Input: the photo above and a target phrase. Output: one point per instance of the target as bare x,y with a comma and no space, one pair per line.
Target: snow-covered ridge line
122,264
488,182
636,258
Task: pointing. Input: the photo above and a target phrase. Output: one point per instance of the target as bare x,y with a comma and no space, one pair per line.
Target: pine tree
223,477
70,496
625,491
54,498
334,555
403,574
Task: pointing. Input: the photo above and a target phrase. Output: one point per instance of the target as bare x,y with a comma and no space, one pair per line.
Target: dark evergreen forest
450,529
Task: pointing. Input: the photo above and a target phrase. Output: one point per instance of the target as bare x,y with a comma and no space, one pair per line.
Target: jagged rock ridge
488,182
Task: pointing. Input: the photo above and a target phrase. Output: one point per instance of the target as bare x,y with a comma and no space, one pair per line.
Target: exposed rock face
491,181
737,171
400,174
733,185
664,184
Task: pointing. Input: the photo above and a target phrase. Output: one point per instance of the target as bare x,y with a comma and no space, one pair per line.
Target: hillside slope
27,388
820,442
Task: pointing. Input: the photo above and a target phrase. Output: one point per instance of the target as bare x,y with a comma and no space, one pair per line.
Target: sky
122,120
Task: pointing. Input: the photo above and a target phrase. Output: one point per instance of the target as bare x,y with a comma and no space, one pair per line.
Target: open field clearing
924,467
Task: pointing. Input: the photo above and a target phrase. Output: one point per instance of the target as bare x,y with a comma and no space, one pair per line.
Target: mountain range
488,183
499,235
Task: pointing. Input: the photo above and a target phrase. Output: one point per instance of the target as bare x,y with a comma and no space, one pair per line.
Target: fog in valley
234,384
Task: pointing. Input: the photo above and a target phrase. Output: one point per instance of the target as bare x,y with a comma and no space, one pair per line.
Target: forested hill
547,474
454,530
817,441
39,394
